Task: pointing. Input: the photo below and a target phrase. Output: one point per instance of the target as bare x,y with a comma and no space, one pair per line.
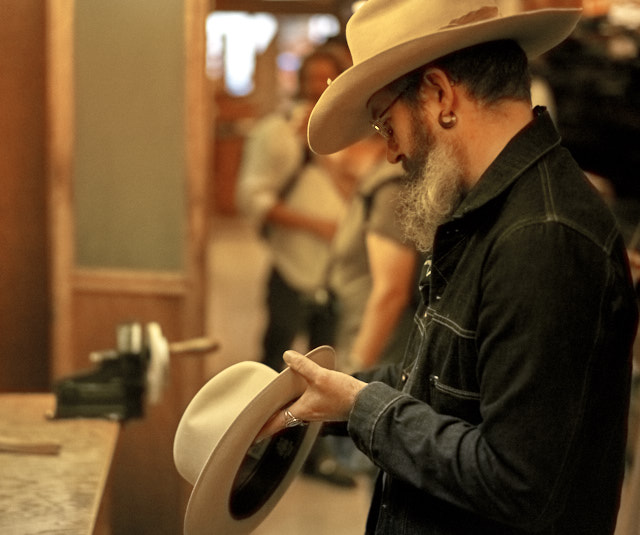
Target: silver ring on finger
291,421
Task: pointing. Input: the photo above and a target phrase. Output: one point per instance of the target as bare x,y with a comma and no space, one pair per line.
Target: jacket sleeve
389,374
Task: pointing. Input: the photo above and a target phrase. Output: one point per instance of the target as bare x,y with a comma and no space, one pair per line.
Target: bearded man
508,414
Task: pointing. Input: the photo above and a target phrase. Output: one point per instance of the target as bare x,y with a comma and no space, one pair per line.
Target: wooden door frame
60,147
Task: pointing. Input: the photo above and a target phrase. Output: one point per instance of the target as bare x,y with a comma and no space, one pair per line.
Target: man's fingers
308,370
273,426
278,422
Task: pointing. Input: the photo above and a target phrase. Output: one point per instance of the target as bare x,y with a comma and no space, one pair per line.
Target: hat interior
262,471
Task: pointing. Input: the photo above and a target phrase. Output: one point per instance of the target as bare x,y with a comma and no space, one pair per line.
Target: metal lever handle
194,345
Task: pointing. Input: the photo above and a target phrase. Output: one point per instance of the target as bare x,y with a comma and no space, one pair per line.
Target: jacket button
427,271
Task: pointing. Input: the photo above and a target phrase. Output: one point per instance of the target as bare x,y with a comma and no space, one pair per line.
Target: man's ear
436,82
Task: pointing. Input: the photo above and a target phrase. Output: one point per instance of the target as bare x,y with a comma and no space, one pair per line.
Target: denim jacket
508,415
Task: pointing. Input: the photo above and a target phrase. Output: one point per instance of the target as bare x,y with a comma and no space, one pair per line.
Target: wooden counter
52,493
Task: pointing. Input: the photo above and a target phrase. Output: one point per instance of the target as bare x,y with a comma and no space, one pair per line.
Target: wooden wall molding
126,282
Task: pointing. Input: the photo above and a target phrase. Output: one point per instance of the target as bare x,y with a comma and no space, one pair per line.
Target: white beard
433,189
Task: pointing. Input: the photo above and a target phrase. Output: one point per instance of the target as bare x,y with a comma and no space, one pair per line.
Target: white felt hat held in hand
236,484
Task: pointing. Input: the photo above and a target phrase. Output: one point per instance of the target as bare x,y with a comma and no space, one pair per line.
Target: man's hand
329,396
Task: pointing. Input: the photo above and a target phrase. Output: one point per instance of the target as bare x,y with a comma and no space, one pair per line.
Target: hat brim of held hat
340,117
241,483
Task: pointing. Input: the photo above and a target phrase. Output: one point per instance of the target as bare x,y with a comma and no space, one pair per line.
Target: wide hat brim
240,483
340,116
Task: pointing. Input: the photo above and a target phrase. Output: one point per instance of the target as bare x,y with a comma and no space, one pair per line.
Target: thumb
300,364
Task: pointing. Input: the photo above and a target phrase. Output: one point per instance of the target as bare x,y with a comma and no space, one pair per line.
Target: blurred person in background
372,272
296,205
373,267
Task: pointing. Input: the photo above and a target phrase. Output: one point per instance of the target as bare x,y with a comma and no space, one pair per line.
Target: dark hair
490,72
318,55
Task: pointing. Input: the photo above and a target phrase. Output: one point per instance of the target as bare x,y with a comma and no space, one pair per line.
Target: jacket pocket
454,401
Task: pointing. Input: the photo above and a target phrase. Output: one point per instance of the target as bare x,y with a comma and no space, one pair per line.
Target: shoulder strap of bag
285,190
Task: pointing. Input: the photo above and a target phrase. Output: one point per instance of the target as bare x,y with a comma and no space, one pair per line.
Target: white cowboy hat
389,38
236,484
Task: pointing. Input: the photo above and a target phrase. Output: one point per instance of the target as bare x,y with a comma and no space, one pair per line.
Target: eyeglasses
380,124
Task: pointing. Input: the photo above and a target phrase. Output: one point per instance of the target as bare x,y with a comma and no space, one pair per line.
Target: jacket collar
523,151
